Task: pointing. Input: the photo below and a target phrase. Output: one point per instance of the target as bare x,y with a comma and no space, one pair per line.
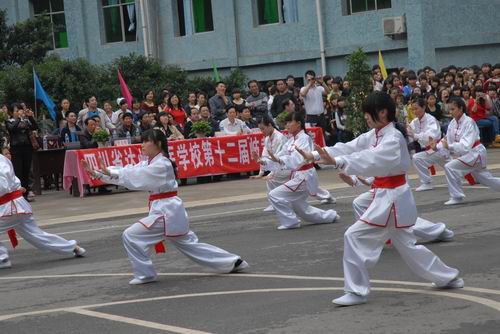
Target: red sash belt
389,182
476,143
4,200
305,167
155,197
10,196
160,247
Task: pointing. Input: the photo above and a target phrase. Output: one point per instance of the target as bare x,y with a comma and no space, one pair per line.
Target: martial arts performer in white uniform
421,129
274,141
423,229
290,198
382,153
17,216
167,217
462,141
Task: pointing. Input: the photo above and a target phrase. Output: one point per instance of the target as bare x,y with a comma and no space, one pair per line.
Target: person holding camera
21,127
312,94
479,110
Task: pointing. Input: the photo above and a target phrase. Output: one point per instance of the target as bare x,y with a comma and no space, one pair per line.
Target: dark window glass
268,11
202,15
382,4
112,24
40,6
180,14
57,5
129,23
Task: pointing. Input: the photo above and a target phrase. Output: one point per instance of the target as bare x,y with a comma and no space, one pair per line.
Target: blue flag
41,94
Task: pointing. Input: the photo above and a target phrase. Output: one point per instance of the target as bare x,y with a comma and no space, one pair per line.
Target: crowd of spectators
324,99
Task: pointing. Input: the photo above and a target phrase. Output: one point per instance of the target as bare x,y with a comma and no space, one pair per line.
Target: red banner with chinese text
194,157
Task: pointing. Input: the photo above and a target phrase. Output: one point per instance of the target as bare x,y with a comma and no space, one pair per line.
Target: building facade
269,39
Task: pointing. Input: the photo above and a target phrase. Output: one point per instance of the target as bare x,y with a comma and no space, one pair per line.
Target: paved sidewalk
57,207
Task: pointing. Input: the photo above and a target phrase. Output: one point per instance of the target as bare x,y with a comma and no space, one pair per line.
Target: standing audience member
92,110
175,109
256,101
238,102
149,103
282,94
192,103
313,94
21,128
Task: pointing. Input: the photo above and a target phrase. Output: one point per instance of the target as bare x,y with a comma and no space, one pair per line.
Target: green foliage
24,42
100,136
358,76
201,127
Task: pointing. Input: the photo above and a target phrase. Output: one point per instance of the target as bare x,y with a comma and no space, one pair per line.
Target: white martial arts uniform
290,198
17,214
167,219
426,230
423,128
383,154
464,143
275,142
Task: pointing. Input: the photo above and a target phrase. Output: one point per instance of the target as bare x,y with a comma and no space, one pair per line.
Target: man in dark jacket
86,140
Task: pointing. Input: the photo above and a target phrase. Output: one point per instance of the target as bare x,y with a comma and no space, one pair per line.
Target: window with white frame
358,6
120,22
194,16
277,11
54,9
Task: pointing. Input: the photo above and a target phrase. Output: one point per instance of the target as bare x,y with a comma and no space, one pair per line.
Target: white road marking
137,322
483,301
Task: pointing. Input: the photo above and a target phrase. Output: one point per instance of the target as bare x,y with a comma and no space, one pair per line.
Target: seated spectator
193,118
257,100
466,94
145,121
432,107
478,109
206,116
175,109
137,111
246,116
444,103
92,110
495,101
192,103
128,128
165,124
149,103
457,91
57,132
86,140
116,118
165,96
495,78
412,83
238,102
343,135
72,130
108,109
231,125
202,101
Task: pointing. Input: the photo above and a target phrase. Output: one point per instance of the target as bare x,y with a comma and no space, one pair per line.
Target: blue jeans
492,123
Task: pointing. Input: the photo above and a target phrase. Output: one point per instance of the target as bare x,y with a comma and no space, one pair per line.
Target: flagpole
34,90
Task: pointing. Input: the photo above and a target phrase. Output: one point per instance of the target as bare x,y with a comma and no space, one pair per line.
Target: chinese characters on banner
194,157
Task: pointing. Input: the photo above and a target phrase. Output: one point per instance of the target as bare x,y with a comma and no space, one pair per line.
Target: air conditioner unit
394,26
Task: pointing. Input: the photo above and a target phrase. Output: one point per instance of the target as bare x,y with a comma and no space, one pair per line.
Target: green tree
24,41
358,75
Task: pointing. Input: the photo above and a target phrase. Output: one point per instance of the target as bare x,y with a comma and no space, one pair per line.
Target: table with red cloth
194,157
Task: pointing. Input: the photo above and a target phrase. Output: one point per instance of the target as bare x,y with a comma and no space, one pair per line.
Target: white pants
363,245
288,204
456,170
139,242
423,160
423,229
275,183
27,228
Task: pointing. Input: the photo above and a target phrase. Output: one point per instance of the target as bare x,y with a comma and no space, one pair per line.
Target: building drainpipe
321,38
145,35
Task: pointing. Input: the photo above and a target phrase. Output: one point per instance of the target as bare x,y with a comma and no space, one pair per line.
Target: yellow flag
383,71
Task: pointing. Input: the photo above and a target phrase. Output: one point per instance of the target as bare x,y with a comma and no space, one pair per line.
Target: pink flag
125,91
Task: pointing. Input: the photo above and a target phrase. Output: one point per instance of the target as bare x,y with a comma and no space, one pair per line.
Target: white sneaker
291,227
269,209
5,264
350,299
455,283
454,201
425,187
329,200
142,280
240,265
79,251
447,235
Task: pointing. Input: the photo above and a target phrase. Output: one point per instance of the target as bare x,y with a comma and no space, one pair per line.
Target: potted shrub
101,137
201,129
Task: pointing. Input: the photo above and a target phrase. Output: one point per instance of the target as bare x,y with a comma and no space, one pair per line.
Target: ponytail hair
158,137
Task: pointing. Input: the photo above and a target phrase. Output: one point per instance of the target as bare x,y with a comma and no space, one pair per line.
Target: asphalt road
294,275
